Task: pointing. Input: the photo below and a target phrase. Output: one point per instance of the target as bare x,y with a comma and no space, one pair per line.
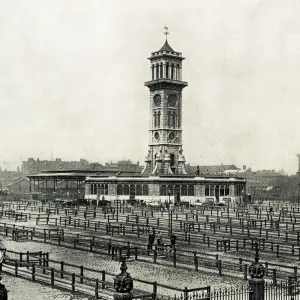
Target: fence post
103,279
220,267
81,274
245,271
96,288
154,290
73,283
196,261
33,272
174,258
61,269
52,277
241,264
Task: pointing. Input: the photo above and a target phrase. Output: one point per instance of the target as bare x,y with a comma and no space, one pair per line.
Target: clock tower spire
165,126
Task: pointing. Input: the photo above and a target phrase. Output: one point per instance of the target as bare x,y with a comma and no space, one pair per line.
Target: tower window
161,70
157,71
152,70
167,70
173,120
158,119
172,72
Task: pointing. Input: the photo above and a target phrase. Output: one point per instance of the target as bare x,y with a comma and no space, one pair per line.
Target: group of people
159,241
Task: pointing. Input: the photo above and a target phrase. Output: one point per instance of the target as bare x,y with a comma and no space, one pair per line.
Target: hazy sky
72,79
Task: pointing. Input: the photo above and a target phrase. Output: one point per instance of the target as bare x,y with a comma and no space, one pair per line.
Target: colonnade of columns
167,71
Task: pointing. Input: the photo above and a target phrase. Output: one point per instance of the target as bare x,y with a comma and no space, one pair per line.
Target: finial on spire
166,32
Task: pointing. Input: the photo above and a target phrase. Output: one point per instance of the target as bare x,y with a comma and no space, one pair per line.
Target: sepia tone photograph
149,150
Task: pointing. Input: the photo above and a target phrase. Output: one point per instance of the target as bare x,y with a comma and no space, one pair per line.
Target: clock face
172,136
157,100
156,136
172,100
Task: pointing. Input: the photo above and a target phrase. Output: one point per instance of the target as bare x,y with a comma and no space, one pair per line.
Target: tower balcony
166,83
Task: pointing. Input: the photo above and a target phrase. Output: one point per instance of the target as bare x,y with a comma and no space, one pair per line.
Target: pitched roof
166,47
268,173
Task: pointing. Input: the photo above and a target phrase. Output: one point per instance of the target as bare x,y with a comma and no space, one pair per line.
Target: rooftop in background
210,170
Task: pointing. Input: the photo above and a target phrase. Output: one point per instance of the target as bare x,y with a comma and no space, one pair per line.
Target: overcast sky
72,79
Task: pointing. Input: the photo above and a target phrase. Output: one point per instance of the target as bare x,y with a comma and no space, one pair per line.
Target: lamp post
123,283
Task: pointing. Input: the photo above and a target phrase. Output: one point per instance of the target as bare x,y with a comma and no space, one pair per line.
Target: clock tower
165,120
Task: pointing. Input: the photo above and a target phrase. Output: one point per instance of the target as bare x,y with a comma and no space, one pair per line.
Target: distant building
19,186
267,181
211,170
124,166
7,177
32,166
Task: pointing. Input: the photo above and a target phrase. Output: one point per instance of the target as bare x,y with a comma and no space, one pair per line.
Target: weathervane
166,32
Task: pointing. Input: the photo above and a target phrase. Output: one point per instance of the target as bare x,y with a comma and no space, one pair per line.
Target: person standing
173,240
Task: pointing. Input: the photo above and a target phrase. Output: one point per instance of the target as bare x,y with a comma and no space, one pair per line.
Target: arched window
145,190
139,190
157,71
92,189
172,159
132,189
126,189
167,70
178,71
183,190
158,119
163,190
119,189
222,190
170,190
102,192
161,70
154,115
106,189
172,71
152,70
207,190
169,118
227,190
211,190
191,191
173,120
177,190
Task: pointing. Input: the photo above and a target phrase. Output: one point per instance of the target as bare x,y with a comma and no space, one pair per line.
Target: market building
164,176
